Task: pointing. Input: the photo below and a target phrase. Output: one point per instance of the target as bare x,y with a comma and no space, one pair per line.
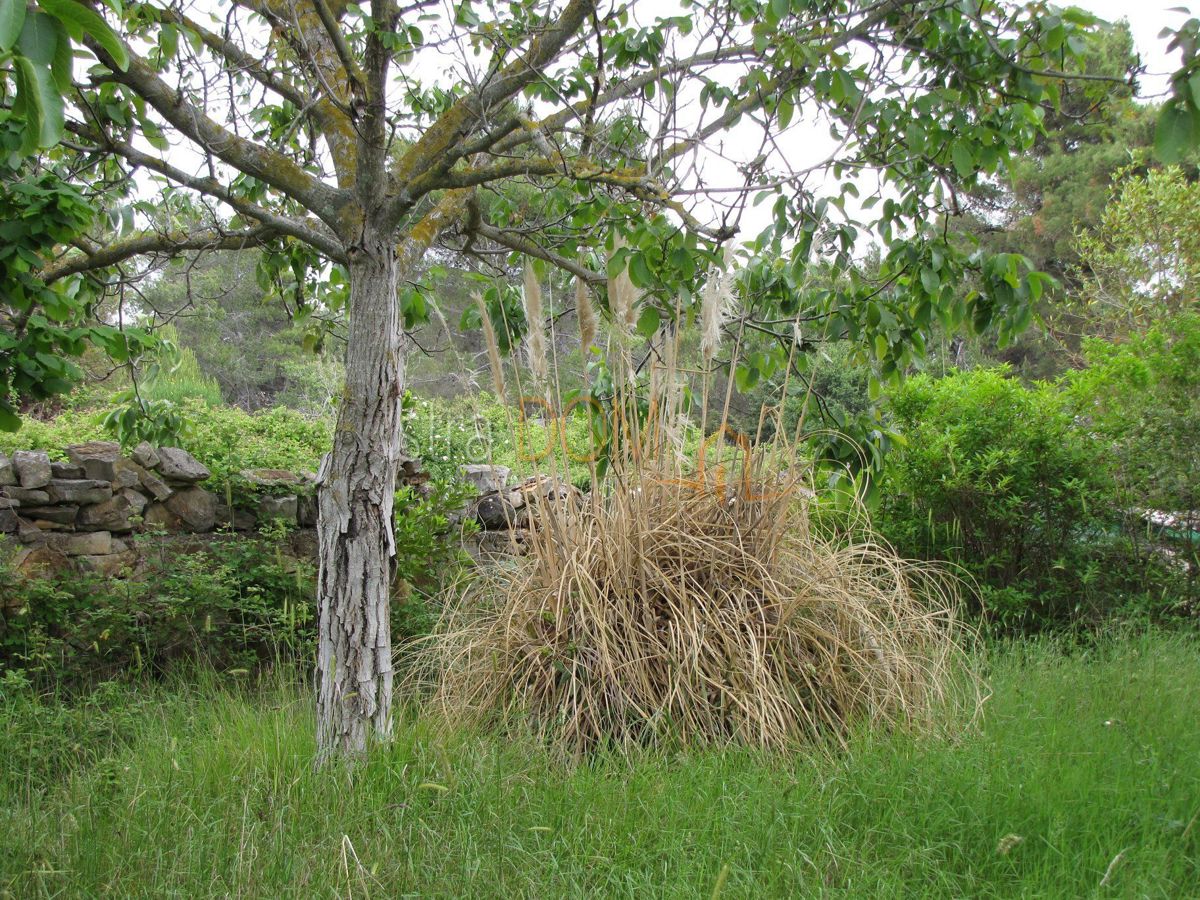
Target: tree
248,325
1061,183
1058,186
1140,264
350,140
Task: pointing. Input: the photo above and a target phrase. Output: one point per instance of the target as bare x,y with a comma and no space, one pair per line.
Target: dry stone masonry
505,513
85,511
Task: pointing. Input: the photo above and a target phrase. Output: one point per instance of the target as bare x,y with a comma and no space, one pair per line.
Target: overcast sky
1146,19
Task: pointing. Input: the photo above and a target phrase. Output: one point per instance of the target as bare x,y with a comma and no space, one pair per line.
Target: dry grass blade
669,611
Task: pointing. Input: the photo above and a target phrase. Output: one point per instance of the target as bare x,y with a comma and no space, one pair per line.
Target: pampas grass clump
661,610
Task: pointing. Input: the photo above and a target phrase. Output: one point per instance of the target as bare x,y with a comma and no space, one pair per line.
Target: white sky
1146,19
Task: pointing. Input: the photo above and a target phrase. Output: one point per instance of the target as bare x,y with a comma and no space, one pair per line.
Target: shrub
481,429
71,426
1140,403
993,476
234,604
429,553
668,612
177,376
228,439
231,605
225,438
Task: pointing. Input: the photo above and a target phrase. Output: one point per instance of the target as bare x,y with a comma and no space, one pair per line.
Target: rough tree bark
355,494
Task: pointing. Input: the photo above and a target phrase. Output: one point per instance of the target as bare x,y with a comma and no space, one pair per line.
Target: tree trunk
356,486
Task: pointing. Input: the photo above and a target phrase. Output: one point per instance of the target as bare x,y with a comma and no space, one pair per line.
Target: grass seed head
586,313
493,348
535,334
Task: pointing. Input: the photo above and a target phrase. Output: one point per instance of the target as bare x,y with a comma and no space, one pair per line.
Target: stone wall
505,513
84,512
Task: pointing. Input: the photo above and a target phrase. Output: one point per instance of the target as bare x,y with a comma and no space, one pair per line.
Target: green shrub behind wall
225,438
231,604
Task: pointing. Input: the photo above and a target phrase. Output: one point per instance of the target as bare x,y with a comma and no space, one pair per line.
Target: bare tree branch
261,162
521,244
429,153
161,244
313,233
236,56
357,79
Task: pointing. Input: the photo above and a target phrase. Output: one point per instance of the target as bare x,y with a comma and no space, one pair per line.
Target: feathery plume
622,295
535,333
716,304
493,348
586,313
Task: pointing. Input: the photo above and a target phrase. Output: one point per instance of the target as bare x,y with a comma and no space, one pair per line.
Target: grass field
1081,780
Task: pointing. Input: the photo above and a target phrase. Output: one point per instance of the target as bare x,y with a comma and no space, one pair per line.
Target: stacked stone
85,508
506,512
84,512
270,495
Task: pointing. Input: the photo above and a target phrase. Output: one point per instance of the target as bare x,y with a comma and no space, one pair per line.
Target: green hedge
1000,479
224,438
230,605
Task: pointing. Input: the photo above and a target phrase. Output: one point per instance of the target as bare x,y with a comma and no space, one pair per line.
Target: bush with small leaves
995,477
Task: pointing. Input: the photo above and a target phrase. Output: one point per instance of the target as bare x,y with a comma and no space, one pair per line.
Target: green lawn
1091,758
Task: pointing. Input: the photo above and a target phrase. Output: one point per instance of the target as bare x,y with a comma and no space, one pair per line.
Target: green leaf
964,160
78,17
38,40
1174,133
168,41
745,377
28,103
61,67
682,260
1023,319
1194,87
12,18
648,322
154,136
9,420
784,111
930,280
639,272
